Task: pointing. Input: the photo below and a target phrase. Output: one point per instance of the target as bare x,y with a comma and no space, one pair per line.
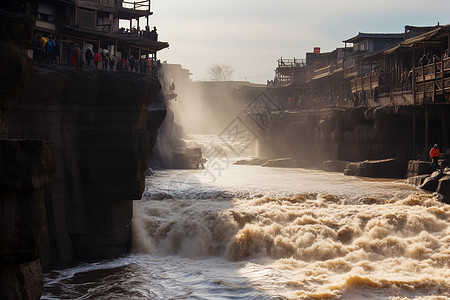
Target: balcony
432,71
128,9
366,83
350,71
322,72
432,80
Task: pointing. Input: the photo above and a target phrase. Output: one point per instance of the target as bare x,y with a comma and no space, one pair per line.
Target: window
46,12
85,18
362,46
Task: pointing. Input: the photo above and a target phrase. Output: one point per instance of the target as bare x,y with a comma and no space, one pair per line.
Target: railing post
442,79
413,86
434,82
426,128
423,83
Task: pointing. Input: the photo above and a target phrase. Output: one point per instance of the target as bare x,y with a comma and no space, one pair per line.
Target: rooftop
363,36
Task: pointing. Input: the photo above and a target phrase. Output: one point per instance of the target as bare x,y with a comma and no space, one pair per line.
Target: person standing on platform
435,154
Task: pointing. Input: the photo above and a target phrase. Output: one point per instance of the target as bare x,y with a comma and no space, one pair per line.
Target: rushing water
268,233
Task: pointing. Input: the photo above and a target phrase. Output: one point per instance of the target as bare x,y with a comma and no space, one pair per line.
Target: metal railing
291,62
137,5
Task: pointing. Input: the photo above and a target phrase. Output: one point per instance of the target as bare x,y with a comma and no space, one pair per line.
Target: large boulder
287,163
417,180
385,168
419,167
443,188
252,162
431,183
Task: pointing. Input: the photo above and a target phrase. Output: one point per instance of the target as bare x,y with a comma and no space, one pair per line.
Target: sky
250,35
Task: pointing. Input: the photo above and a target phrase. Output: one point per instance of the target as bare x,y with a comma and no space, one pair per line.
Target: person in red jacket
97,59
435,154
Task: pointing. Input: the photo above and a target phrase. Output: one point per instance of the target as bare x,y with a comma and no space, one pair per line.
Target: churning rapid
268,233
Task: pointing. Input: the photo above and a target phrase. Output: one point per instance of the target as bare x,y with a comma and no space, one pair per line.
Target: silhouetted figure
423,60
154,34
49,48
76,56
97,59
131,62
404,80
88,55
435,58
445,54
56,49
111,62
69,52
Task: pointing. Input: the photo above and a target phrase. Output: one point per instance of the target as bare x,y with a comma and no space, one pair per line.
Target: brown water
268,233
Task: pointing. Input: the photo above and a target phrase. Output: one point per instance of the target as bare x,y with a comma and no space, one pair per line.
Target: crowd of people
147,33
427,59
47,49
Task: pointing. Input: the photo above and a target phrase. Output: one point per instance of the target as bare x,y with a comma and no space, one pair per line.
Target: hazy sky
251,35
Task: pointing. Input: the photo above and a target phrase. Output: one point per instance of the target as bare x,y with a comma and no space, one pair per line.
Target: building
92,23
410,69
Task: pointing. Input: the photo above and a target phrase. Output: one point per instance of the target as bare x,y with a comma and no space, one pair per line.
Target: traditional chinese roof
364,36
435,35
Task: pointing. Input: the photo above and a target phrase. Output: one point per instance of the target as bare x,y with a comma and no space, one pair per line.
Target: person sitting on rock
435,154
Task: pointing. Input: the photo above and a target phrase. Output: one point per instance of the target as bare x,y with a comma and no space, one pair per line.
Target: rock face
383,168
98,121
26,169
444,188
287,163
356,134
171,151
418,167
103,133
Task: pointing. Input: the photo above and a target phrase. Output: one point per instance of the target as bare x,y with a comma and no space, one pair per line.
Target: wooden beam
444,131
413,86
426,128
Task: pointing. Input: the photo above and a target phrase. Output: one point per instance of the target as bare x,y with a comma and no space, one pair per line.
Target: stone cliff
341,134
26,167
102,132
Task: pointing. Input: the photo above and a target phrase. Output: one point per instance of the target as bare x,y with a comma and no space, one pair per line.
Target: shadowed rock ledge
98,121
26,169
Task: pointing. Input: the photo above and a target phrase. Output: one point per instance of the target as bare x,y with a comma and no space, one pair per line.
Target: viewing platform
432,81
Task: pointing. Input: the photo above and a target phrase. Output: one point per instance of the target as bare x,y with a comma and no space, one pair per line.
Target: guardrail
291,62
431,71
137,5
365,83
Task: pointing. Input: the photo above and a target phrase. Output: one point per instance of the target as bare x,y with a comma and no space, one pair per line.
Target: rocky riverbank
355,134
